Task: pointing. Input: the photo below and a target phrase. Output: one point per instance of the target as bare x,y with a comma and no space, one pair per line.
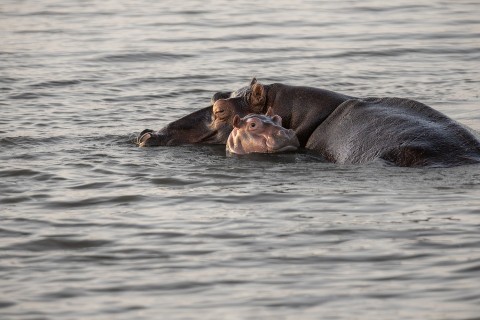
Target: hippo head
210,125
257,133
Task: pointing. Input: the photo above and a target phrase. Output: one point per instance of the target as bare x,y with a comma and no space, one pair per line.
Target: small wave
471,269
119,139
93,201
443,246
397,52
55,83
64,294
29,31
18,173
143,98
7,80
228,38
27,140
29,96
174,78
105,139
180,285
162,234
6,304
13,200
386,8
173,182
266,197
143,56
338,232
467,297
12,233
192,12
93,185
303,260
57,243
223,235
47,13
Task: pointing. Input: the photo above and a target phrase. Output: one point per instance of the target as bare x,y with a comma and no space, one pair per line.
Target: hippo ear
277,120
258,98
270,112
236,121
254,80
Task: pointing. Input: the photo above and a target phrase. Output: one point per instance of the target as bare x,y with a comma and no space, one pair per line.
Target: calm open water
92,227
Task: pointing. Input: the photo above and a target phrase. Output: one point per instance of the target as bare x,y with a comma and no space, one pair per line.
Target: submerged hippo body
257,133
343,129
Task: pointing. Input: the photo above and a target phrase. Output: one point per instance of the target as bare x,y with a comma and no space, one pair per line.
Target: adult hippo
342,128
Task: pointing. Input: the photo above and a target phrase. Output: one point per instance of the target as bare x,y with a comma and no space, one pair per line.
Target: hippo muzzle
260,134
284,140
150,138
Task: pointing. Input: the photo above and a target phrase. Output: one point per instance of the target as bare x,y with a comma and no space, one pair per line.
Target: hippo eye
252,125
220,114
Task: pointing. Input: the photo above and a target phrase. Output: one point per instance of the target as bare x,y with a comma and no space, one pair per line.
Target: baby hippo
260,134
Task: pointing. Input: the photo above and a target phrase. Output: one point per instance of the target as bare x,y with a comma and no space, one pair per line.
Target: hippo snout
284,140
149,138
257,133
287,133
288,136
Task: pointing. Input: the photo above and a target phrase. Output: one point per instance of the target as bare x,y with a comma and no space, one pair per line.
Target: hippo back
401,131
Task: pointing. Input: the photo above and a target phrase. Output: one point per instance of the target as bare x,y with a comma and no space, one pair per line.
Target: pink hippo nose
283,140
289,135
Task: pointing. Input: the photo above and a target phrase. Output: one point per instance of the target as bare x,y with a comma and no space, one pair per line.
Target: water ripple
175,286
57,243
93,201
6,304
55,83
142,57
12,233
30,140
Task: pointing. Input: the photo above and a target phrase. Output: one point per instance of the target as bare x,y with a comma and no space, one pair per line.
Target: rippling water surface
93,227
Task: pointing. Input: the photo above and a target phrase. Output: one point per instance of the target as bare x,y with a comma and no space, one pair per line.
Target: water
93,227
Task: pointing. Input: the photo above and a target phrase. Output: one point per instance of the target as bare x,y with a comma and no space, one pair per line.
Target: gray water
93,227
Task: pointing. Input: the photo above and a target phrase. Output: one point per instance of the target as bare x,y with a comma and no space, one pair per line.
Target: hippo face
260,134
226,105
210,125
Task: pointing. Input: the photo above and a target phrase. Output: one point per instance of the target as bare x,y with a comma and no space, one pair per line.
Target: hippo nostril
143,139
282,133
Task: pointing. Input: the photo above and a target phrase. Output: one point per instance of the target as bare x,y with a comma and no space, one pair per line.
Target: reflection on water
94,227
